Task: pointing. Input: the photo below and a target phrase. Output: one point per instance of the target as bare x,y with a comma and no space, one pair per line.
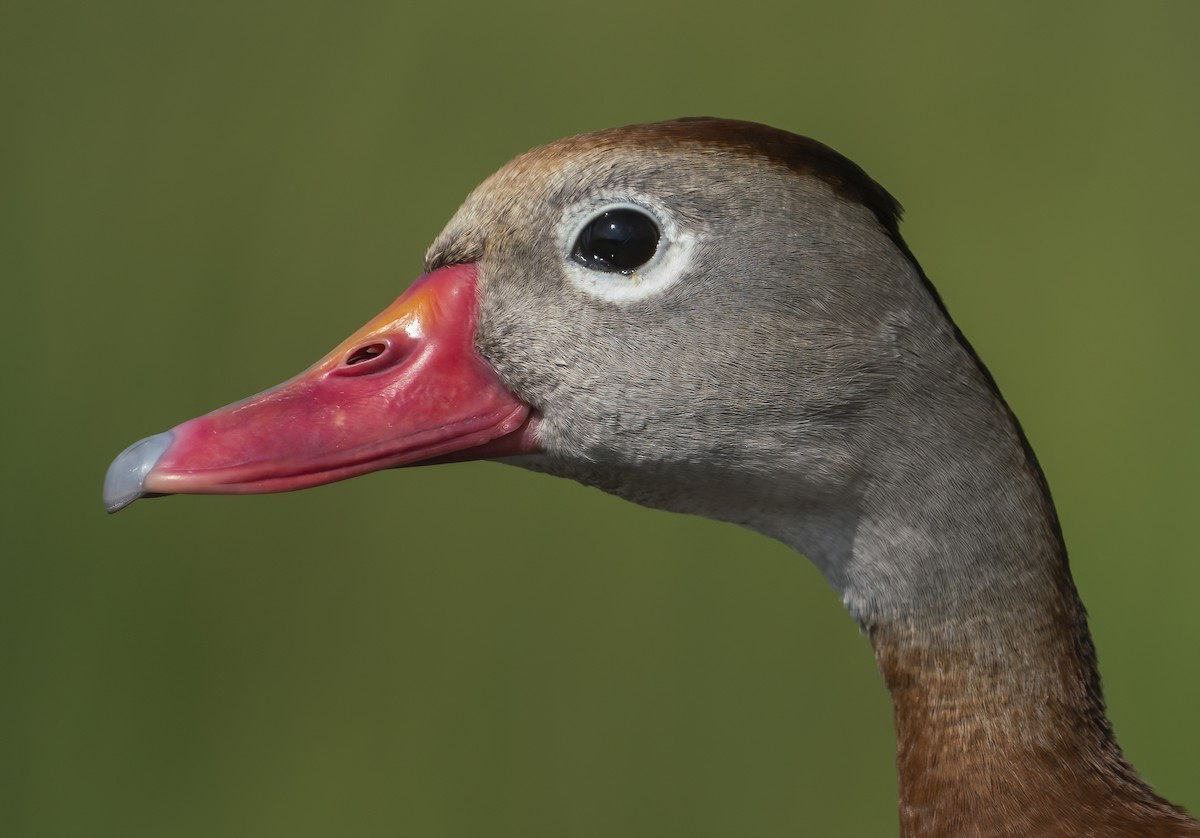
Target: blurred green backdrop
199,199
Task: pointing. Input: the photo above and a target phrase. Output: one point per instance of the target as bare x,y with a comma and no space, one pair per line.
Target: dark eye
617,241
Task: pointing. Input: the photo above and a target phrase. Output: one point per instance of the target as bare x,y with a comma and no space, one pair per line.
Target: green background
199,199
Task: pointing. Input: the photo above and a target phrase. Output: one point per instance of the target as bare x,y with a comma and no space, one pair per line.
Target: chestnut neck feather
1005,734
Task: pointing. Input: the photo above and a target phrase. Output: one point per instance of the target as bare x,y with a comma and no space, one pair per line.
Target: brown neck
1005,733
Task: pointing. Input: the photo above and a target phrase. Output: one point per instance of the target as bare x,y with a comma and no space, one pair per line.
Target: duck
721,318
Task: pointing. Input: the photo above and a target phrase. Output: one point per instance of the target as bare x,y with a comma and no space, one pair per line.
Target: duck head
702,315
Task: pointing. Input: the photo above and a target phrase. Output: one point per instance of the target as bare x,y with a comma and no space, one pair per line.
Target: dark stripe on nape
802,155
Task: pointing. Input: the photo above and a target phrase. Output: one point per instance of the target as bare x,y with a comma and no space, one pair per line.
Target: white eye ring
670,261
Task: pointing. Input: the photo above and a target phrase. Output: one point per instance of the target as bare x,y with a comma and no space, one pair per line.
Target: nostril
365,353
381,354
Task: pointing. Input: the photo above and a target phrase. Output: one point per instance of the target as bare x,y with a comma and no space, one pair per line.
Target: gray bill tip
123,483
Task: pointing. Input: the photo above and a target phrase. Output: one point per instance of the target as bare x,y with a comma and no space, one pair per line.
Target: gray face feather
779,364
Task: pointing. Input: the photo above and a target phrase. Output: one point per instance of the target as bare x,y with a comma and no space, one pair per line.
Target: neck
1001,729
953,562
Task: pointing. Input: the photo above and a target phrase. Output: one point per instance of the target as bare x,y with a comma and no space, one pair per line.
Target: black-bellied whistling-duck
721,318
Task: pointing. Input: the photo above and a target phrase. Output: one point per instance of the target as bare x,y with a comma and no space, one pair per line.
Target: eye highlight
618,240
